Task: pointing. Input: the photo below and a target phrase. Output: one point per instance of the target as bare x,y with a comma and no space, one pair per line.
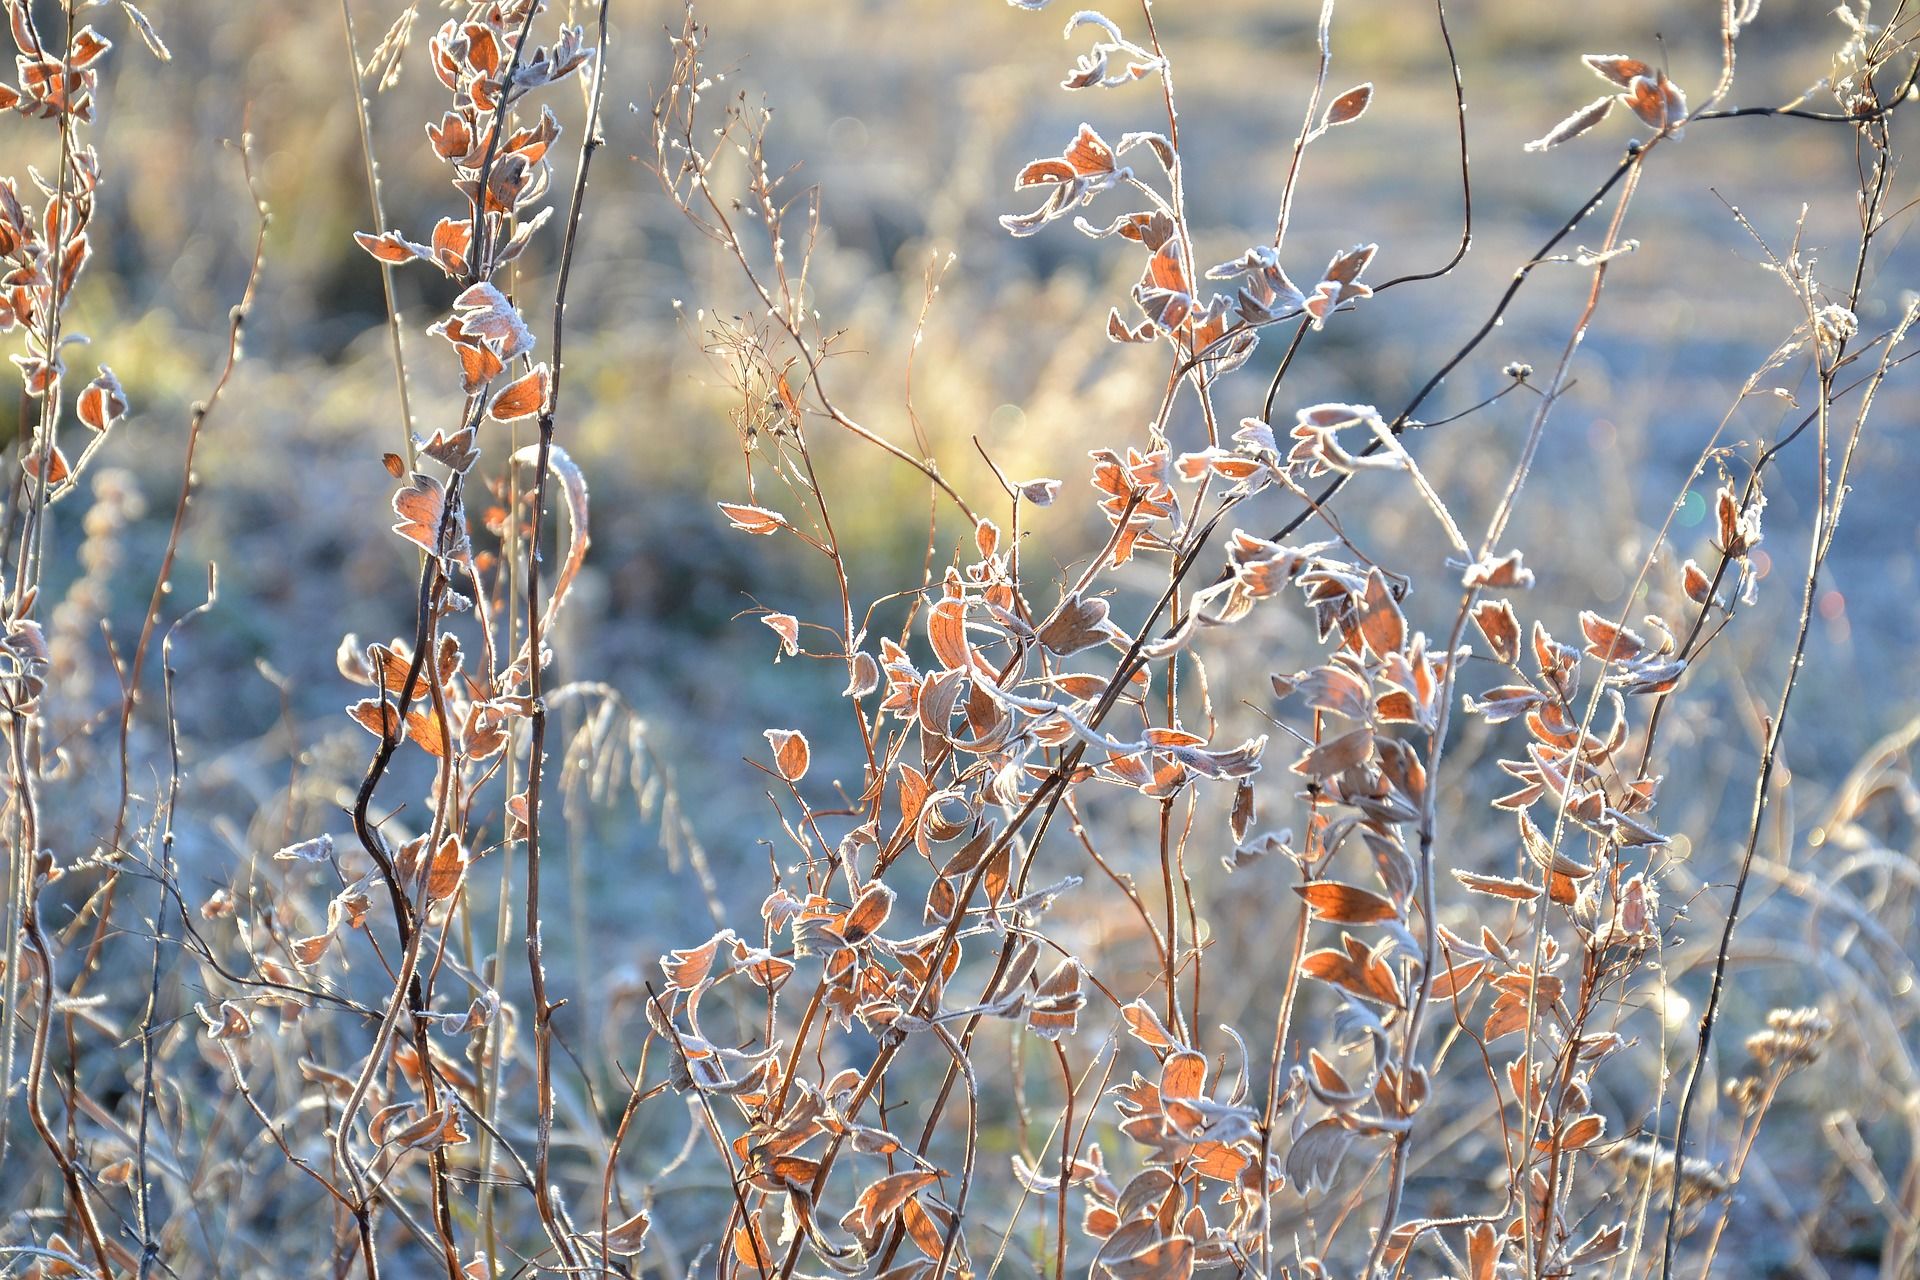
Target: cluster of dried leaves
1020,740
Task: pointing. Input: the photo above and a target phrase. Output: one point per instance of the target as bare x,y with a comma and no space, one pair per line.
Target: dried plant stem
1825,522
360,114
536,754
163,578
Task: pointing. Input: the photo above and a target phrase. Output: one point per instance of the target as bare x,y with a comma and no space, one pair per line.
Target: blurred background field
912,118
913,142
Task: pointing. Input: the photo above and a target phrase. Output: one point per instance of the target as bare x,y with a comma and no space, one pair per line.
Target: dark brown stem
543,1008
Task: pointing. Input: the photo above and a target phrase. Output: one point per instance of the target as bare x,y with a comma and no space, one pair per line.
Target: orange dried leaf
1345,903
947,632
1337,755
448,866
750,1248
57,468
1382,624
787,627
630,1236
421,506
1502,630
1183,1075
391,247
1616,67
790,753
1695,582
523,397
1353,968
1583,1132
1350,106
688,968
1497,886
751,519
1450,979
1608,642
103,402
868,913
878,1203
1146,1025
927,1237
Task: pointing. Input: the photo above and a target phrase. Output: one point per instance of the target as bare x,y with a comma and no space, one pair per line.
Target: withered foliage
913,1063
